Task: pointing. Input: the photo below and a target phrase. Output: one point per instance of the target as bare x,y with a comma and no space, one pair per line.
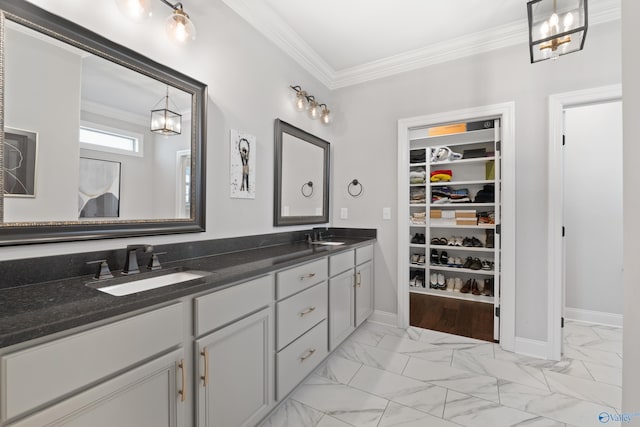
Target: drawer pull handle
205,378
307,311
183,391
308,355
307,276
358,279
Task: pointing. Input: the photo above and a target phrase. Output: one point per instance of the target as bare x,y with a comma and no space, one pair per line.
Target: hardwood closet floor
453,316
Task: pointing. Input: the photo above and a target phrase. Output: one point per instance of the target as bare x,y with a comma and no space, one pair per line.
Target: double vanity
221,349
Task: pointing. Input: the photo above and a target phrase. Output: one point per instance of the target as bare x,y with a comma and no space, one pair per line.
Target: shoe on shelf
457,284
475,242
450,284
451,262
488,287
457,262
415,258
451,241
412,281
489,240
441,282
468,262
486,265
435,259
466,288
458,241
474,288
444,258
433,281
422,239
435,241
421,259
476,264
415,239
466,242
420,279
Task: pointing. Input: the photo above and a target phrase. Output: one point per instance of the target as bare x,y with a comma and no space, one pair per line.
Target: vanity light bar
307,102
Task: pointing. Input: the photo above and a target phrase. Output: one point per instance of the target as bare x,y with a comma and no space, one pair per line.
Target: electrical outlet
344,213
386,213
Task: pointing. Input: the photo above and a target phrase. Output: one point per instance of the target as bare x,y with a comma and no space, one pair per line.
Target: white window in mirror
183,184
110,140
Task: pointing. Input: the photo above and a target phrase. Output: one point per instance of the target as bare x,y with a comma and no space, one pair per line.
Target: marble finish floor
383,377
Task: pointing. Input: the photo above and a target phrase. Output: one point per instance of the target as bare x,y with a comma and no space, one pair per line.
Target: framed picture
242,165
20,155
98,189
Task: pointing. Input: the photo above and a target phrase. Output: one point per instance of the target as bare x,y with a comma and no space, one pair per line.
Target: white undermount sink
140,285
327,243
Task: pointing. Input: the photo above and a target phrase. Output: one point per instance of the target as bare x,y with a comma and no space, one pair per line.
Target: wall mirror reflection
117,138
302,177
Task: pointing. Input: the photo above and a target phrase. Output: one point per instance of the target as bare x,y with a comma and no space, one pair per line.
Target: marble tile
556,406
573,367
329,421
592,355
419,349
401,416
481,386
605,374
345,403
600,393
502,369
372,356
293,414
371,333
610,333
397,388
338,369
471,411
455,342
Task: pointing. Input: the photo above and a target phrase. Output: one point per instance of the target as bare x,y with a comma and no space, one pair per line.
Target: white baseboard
589,316
384,317
532,348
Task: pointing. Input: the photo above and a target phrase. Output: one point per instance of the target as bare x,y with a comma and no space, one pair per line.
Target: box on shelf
435,213
442,221
449,214
490,170
466,221
465,214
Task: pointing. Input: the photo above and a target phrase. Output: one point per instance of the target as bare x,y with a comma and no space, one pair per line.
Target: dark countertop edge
219,280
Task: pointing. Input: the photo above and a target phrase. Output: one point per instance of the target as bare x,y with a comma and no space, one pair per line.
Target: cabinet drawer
299,278
227,305
298,314
364,254
340,262
45,372
300,358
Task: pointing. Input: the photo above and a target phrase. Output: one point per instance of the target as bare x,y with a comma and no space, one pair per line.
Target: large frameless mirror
98,140
302,177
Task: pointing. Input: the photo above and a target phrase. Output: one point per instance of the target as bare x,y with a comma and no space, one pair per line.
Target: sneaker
468,262
457,262
420,279
486,265
441,282
421,259
450,284
451,262
444,258
458,241
457,284
415,239
475,242
415,258
466,242
412,281
433,282
451,241
476,264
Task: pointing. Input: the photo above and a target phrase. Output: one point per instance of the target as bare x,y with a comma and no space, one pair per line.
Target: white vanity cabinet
350,292
234,378
96,378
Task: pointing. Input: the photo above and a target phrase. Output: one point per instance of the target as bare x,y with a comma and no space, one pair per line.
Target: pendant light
314,109
556,27
165,121
135,9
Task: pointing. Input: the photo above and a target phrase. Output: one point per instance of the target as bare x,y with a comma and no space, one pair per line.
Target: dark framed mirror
98,141
301,193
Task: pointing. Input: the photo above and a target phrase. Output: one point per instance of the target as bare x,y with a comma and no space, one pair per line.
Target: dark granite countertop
32,311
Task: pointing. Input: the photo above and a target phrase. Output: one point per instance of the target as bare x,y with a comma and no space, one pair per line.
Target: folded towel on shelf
440,177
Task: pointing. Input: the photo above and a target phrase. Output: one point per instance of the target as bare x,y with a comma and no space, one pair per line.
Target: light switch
386,213
344,213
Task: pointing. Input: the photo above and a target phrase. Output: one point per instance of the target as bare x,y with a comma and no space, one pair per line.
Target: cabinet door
364,292
341,308
235,373
148,396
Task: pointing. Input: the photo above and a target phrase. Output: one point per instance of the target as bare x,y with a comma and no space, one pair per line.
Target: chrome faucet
131,262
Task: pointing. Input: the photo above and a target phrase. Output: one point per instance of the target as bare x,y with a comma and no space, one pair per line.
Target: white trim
596,317
506,112
384,317
274,28
555,252
530,347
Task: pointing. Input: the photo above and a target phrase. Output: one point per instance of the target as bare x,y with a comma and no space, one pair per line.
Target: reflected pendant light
556,27
165,121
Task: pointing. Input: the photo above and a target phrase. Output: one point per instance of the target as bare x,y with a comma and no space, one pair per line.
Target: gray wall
631,207
247,78
366,134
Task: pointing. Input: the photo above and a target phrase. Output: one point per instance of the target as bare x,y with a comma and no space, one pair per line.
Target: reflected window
111,141
183,205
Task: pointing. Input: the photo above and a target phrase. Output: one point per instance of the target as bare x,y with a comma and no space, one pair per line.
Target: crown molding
260,16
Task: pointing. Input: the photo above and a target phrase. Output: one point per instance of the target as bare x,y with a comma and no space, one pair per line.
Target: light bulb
179,26
544,29
314,111
135,9
325,118
301,100
553,21
568,21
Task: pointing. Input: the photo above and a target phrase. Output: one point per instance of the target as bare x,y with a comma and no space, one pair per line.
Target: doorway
585,211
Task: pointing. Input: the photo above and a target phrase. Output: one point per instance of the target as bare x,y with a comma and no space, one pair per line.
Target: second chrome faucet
131,262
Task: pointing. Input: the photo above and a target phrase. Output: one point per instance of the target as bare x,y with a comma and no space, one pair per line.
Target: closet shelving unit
468,173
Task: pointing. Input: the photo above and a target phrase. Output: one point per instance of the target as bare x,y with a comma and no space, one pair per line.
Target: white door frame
555,252
506,113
